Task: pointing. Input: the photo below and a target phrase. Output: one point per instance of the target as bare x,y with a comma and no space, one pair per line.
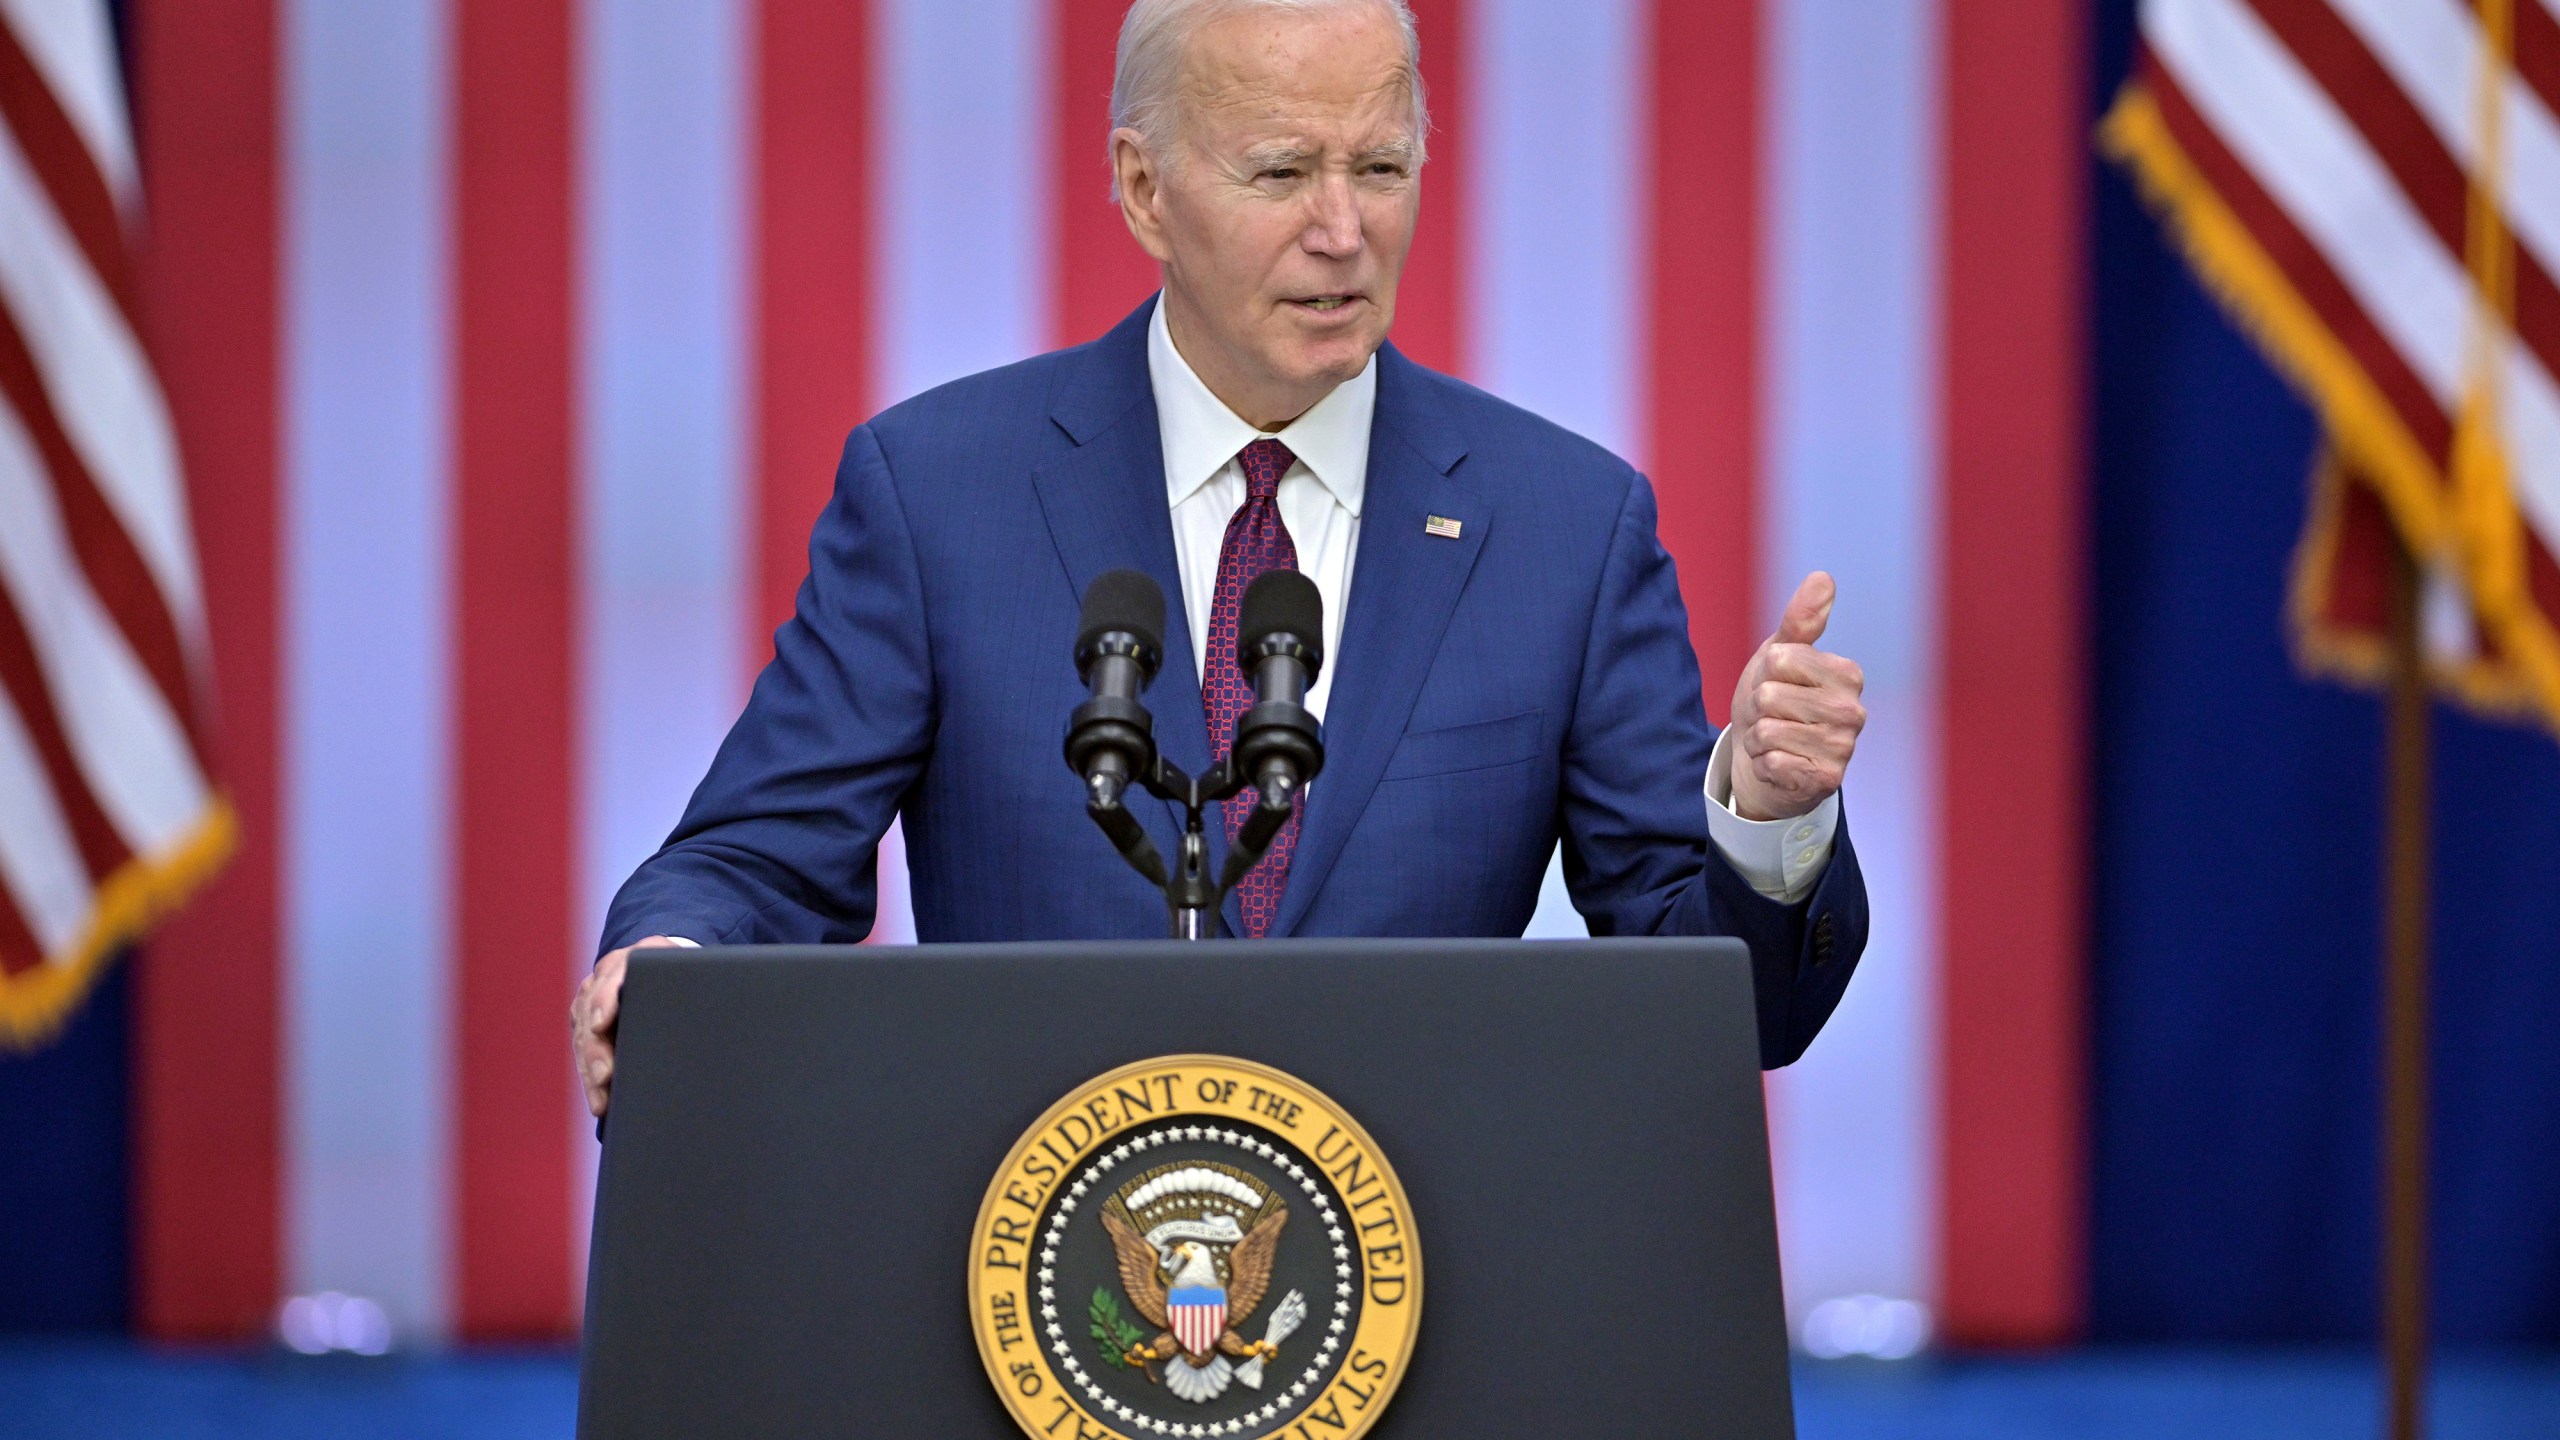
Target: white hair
1147,77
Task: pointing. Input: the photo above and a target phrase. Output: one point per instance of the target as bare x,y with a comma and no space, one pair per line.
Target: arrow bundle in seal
1285,1319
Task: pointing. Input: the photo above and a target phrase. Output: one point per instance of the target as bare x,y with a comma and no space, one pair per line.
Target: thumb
1809,611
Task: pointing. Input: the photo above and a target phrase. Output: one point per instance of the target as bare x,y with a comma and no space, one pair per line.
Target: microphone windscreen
1282,602
1124,600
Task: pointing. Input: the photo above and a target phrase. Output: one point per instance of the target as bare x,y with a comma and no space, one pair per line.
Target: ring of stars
1281,1404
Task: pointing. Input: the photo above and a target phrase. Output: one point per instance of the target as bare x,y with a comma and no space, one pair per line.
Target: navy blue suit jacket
1529,680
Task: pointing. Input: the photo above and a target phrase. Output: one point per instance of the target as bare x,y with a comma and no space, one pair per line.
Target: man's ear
1141,196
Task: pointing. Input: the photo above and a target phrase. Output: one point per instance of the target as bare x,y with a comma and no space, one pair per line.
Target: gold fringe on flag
2467,520
35,1001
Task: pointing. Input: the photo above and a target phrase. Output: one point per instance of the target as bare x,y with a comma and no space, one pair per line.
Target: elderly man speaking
1508,660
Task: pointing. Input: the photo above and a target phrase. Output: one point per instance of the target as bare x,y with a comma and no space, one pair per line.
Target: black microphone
1280,644
1111,737
1119,645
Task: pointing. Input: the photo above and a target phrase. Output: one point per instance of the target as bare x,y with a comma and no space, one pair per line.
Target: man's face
1284,218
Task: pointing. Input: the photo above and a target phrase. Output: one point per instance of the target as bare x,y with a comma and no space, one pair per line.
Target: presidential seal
1195,1246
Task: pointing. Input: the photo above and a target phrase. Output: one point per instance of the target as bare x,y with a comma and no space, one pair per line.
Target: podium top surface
801,1140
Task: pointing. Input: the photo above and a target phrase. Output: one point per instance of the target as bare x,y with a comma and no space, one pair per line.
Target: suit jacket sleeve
1637,856
777,846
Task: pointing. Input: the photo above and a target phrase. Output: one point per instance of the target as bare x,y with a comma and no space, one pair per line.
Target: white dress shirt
1319,500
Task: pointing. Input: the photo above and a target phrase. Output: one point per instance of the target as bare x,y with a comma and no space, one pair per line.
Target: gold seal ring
1195,1245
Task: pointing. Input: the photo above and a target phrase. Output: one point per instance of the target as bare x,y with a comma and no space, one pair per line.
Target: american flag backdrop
2374,186
109,811
511,343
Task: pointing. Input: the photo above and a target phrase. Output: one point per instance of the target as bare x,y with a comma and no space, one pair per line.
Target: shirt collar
1201,434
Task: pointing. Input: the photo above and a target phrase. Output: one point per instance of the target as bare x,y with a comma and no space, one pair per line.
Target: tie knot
1264,462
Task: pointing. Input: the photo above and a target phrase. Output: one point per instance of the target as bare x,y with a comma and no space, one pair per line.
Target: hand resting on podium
592,1015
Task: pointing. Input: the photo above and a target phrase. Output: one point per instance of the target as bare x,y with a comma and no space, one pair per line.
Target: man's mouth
1324,302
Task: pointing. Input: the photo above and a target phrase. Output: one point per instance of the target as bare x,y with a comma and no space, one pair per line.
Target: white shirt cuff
1783,859
681,941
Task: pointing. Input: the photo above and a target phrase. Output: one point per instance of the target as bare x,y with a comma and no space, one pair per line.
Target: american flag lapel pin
1440,525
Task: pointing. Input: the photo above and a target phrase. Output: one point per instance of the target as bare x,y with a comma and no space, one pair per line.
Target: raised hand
1796,713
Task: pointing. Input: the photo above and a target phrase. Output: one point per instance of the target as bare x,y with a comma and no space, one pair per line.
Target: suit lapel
1105,504
1405,582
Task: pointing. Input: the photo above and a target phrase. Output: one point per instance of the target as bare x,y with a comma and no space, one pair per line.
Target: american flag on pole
2373,186
108,811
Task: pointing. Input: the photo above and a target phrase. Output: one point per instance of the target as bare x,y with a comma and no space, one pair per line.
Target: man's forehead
1331,79
1377,119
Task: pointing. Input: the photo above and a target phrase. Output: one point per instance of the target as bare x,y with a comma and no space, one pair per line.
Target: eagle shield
1199,1316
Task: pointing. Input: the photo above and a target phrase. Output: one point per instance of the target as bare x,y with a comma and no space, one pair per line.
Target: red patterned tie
1256,541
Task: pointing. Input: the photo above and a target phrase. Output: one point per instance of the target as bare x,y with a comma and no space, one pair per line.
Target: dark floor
99,1390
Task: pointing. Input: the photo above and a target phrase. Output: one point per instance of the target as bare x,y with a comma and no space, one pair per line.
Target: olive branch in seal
1117,1336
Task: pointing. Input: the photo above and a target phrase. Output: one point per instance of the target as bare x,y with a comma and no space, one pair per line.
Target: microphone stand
1192,898
1277,746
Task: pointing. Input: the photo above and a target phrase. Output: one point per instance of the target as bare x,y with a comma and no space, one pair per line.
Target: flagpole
2404,1012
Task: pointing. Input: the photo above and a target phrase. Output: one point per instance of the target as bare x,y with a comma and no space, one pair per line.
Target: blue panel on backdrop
63,1177
2237,854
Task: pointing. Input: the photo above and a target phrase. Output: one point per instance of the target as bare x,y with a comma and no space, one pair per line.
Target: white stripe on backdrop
961,115
1557,119
1551,301
1554,153
962,209
1850,222
662,227
366,599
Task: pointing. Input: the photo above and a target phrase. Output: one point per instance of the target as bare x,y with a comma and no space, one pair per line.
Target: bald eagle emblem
1195,1242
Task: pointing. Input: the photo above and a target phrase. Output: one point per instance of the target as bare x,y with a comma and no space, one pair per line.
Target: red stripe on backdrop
813,263
1100,273
2015,678
207,1118
1702,269
1431,298
514,571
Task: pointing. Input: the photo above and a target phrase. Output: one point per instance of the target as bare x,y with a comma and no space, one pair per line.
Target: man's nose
1334,227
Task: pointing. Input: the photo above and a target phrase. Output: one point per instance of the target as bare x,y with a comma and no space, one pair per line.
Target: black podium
802,1139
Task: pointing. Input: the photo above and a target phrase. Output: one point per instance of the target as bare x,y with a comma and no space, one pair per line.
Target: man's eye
1280,174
